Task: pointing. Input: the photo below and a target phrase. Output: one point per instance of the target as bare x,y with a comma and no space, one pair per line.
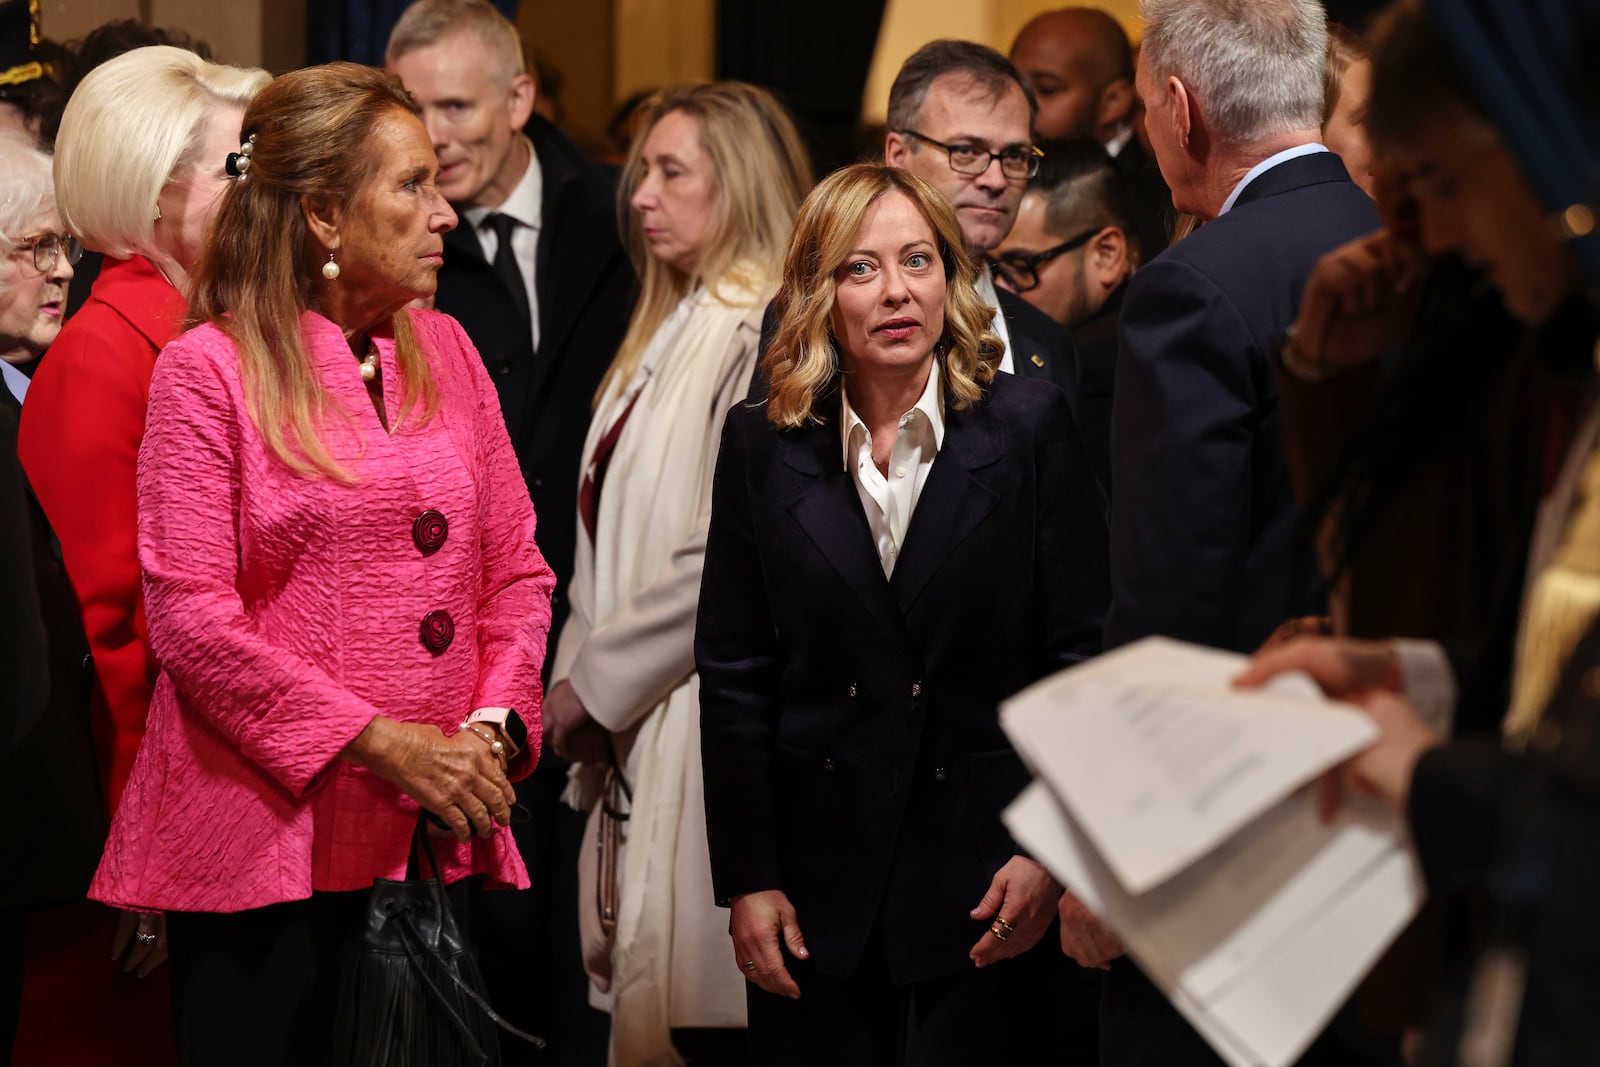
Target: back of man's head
1082,191
1254,66
427,22
981,65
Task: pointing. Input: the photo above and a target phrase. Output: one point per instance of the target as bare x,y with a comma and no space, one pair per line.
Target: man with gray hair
536,274
1205,544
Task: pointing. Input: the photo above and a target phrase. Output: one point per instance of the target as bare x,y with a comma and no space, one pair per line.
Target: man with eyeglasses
1070,255
961,117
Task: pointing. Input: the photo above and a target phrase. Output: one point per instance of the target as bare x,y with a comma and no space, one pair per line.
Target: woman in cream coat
709,193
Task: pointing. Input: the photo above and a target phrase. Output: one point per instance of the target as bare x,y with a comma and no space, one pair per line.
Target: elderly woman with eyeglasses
44,714
39,256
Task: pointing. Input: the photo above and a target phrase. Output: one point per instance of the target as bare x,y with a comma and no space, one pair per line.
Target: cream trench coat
628,651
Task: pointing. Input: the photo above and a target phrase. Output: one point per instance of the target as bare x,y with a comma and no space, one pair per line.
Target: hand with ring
457,778
1019,906
764,927
140,941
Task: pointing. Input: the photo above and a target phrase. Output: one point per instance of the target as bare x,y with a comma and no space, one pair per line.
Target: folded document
1179,810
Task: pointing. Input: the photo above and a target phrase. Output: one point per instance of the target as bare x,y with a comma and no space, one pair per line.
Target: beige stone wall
604,50
909,24
255,33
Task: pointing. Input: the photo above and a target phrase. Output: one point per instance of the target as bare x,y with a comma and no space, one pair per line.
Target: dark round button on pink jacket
429,530
438,630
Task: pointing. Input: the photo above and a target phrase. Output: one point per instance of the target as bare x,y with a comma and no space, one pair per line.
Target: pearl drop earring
330,269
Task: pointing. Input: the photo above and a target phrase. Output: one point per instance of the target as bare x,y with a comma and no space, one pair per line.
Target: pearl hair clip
238,163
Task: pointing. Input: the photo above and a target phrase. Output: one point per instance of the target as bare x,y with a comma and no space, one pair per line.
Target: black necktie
505,262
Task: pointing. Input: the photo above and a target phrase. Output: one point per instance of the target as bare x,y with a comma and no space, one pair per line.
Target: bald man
1080,64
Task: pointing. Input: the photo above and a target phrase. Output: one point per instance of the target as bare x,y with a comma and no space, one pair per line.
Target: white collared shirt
1119,140
1265,165
15,381
526,205
890,500
986,290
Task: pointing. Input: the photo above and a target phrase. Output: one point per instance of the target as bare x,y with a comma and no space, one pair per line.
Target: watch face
516,729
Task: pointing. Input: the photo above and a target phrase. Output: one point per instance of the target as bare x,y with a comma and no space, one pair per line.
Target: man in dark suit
1080,64
1070,255
956,109
1205,544
536,275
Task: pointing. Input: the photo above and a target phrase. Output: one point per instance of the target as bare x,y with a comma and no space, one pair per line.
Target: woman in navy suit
900,539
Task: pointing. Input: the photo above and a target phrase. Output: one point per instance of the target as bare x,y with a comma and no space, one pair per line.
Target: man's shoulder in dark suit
1288,216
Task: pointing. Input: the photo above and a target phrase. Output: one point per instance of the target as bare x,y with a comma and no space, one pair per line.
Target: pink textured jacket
286,611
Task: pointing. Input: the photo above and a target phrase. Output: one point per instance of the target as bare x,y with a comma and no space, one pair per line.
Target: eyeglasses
1022,272
48,246
1019,163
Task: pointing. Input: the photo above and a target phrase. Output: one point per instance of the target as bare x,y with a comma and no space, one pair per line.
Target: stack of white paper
1178,809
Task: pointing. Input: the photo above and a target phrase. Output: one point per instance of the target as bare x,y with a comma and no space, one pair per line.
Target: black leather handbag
410,992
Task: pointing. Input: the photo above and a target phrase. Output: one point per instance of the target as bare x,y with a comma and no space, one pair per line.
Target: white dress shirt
986,290
1265,165
526,205
15,381
890,500
1119,140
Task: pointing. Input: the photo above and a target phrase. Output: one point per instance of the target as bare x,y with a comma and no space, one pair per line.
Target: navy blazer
1205,536
586,289
853,755
1205,527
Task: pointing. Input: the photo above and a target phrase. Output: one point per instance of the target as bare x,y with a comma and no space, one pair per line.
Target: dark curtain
814,55
1354,13
358,30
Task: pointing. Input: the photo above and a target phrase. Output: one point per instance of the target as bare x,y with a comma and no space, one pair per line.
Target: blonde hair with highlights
131,126
761,170
314,139
802,365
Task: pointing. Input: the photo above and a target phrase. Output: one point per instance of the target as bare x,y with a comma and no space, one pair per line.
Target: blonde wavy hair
761,170
802,365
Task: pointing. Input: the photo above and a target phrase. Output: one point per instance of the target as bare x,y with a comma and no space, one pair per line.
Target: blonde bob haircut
130,127
802,364
761,170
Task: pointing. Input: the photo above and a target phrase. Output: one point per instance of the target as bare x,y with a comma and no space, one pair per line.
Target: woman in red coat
139,168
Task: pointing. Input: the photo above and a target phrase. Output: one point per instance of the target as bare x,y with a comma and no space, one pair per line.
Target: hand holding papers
1174,807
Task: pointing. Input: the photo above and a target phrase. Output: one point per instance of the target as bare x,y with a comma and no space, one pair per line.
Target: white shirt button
899,472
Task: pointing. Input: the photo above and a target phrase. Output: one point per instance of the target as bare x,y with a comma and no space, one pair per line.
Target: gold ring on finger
999,934
1010,929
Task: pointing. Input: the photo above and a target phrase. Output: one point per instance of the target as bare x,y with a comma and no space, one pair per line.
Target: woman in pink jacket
340,576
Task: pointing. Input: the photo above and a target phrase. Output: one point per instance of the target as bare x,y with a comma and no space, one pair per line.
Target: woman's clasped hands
457,778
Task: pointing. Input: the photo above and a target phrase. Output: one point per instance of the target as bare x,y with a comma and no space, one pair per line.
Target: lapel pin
1037,362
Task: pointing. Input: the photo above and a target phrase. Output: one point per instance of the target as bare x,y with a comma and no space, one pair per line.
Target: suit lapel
954,501
1029,355
828,509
